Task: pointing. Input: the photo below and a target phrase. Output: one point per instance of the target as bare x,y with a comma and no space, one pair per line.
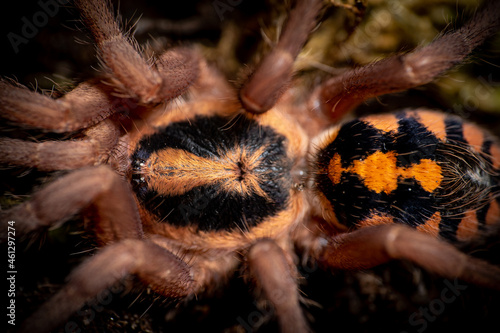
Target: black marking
454,130
411,204
210,207
414,141
355,140
481,216
486,149
350,199
199,137
448,227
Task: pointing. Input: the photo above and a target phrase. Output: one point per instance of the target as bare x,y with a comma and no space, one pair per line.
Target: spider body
431,171
185,179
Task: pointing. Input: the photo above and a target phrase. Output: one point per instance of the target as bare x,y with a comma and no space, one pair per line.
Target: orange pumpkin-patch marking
493,214
384,122
431,226
380,173
495,154
468,227
427,173
474,136
376,219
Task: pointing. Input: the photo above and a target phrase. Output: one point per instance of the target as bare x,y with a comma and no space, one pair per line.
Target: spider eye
211,175
415,168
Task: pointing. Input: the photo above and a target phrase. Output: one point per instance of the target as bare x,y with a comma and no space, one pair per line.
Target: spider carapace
244,179
187,179
234,177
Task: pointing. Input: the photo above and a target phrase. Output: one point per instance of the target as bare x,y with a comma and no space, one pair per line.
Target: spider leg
135,76
372,246
268,82
340,94
272,273
62,155
47,156
84,106
99,187
156,266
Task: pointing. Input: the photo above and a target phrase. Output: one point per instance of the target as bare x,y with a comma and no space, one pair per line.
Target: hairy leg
154,265
268,82
133,75
47,156
96,187
87,104
273,274
372,246
62,155
341,94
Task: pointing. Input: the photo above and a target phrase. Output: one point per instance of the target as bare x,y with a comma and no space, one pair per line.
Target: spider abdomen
211,175
428,170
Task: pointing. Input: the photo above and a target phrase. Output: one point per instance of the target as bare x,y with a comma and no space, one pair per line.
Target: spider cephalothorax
244,173
185,179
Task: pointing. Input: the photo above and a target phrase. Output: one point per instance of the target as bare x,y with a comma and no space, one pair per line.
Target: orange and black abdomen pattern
428,170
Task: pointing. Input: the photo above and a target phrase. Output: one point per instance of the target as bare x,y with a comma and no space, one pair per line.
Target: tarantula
185,179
